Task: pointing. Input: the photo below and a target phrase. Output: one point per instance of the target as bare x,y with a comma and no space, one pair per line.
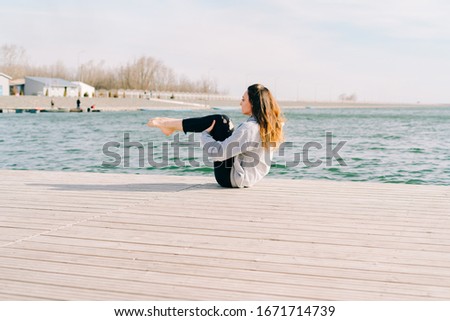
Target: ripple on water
415,181
416,150
278,165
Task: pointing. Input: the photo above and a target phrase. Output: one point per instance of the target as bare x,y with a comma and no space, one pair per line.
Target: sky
382,51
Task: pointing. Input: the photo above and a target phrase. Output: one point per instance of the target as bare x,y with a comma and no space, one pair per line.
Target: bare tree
98,75
207,85
140,73
57,70
186,85
13,60
164,79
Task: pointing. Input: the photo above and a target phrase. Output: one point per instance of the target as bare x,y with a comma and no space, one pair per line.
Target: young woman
241,155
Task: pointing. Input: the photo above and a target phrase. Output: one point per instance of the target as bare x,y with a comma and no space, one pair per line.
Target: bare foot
159,122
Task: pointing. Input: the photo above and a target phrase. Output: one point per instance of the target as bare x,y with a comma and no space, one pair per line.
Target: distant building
4,84
17,87
52,87
84,90
103,93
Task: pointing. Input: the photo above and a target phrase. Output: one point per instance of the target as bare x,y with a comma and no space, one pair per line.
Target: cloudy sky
396,50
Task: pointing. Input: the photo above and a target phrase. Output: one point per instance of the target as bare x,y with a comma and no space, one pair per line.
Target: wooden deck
90,236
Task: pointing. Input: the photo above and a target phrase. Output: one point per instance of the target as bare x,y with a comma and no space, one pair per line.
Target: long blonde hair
268,115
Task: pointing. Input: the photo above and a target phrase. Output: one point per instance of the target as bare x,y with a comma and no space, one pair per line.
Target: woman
241,155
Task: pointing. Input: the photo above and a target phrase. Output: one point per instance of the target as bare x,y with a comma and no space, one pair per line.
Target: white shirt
251,160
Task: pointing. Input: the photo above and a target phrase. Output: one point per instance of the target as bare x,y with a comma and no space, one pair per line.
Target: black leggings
221,131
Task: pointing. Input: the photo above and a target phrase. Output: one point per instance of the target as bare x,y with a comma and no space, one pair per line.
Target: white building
52,87
4,84
84,90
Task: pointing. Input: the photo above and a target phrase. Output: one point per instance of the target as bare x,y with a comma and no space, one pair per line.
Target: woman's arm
245,137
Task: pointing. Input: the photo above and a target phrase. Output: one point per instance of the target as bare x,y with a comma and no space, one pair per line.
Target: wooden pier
92,236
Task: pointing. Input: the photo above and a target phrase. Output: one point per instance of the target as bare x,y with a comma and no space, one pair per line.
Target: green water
395,145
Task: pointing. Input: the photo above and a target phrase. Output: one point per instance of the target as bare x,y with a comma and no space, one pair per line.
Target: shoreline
12,103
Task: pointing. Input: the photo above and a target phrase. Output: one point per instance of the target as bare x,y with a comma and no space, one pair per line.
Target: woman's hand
210,128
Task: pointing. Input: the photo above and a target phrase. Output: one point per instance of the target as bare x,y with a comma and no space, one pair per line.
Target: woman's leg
223,128
222,172
166,125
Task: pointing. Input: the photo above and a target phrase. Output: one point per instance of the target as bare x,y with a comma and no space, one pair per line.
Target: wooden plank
161,222
277,244
304,266
233,258
49,290
297,275
122,286
20,297
381,241
292,227
156,283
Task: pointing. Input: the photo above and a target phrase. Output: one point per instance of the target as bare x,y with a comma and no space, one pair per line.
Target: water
395,145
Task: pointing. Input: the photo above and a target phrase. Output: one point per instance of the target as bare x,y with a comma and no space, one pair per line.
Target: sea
388,145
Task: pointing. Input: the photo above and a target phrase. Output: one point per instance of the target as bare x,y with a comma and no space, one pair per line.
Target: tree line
144,73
